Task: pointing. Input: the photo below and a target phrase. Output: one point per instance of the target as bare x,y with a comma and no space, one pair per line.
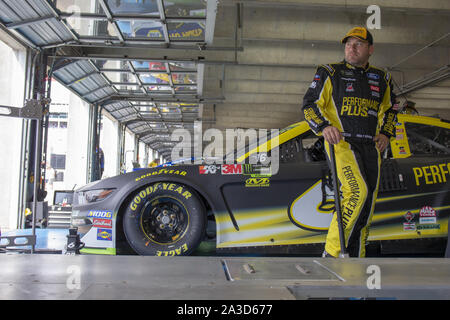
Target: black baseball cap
360,33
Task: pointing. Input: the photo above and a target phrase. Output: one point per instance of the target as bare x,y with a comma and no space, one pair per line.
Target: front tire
164,219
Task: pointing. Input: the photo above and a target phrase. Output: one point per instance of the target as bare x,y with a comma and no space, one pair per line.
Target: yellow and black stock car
166,211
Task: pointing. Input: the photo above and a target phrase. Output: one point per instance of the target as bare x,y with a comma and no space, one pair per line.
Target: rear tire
164,219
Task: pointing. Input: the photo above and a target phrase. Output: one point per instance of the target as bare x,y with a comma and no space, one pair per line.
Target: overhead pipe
419,51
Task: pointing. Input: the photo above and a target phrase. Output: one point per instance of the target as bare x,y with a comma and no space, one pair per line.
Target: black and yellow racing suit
357,101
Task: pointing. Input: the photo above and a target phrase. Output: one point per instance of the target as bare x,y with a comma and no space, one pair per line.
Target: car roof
423,120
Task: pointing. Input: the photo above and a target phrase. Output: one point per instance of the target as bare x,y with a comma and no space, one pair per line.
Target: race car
165,211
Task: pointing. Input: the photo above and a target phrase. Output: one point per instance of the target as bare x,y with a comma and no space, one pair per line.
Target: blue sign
104,234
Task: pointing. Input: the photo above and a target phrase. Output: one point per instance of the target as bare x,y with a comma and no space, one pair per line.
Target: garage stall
175,128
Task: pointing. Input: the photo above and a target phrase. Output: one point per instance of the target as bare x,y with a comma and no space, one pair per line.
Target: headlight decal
91,196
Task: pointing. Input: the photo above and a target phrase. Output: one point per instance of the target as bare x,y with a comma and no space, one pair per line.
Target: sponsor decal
402,150
427,215
348,79
372,113
373,76
347,73
433,174
313,85
104,234
349,87
329,68
409,225
375,83
312,118
353,106
363,136
375,88
102,223
316,77
427,220
257,182
428,226
161,171
100,214
399,130
427,211
208,169
256,170
399,137
375,94
409,216
231,169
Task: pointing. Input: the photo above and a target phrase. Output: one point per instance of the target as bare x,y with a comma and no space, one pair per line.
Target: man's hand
332,135
382,141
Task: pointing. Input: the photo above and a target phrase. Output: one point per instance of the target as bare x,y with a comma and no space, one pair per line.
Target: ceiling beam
430,6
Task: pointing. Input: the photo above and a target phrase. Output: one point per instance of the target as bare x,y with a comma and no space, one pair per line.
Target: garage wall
283,41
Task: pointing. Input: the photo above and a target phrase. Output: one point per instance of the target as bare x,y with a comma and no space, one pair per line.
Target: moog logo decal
100,214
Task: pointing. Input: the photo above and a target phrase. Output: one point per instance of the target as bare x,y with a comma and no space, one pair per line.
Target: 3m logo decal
231,169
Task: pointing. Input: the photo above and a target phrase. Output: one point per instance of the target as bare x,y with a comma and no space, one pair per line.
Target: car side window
313,148
428,140
305,148
291,151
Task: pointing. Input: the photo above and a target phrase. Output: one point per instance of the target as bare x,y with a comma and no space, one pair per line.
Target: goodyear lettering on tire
158,186
161,171
176,252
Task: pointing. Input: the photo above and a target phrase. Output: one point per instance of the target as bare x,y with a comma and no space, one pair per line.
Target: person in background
154,163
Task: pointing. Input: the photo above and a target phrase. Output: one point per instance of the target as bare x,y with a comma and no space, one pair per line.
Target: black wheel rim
164,220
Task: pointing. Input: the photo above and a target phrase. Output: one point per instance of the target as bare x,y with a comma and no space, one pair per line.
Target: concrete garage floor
57,276
49,276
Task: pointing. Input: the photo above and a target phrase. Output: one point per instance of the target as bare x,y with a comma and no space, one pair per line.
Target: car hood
121,180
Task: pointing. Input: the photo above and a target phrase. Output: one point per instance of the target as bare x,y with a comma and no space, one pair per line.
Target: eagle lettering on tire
164,219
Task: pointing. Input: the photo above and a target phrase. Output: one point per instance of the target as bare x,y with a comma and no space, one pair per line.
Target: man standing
350,104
